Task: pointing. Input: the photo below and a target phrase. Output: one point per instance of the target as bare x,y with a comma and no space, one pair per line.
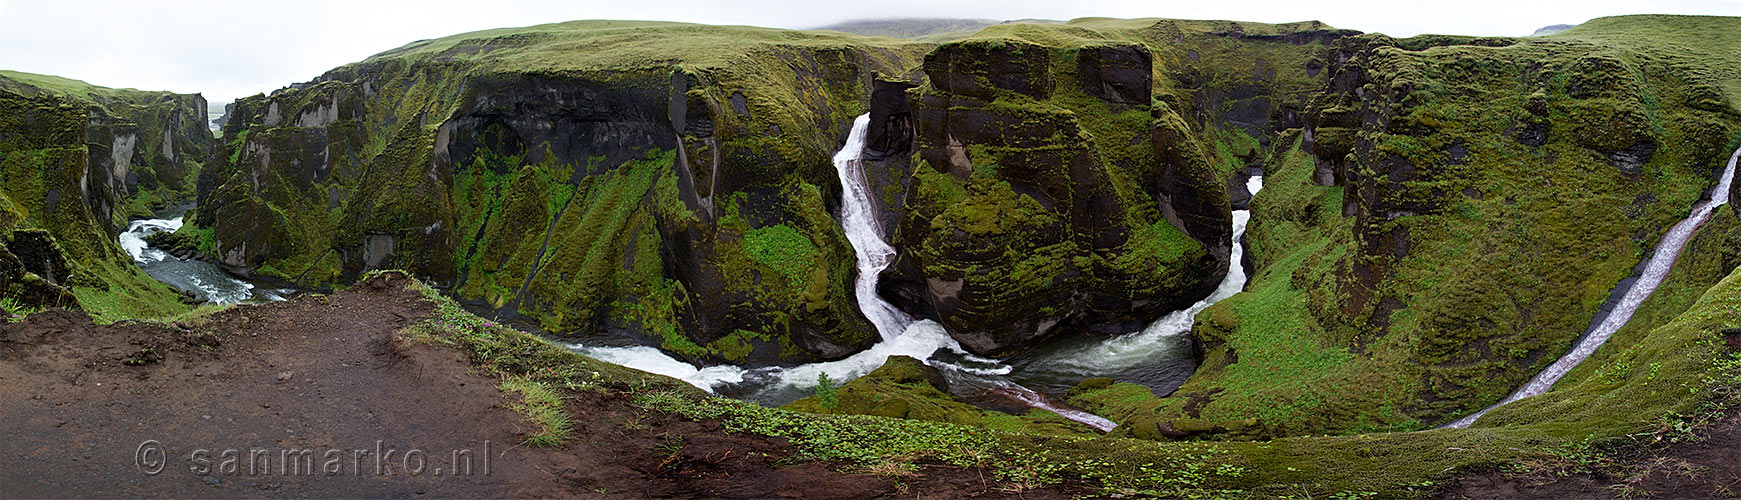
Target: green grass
543,408
784,250
19,81
1701,48
13,311
1386,465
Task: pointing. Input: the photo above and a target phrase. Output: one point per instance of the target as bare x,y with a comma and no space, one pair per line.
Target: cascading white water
859,220
1661,262
1160,344
203,279
901,334
924,339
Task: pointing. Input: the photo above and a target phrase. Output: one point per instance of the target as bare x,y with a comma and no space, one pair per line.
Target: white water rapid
1657,268
858,220
205,280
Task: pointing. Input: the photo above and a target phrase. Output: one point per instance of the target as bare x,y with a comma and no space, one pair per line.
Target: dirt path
132,410
1708,467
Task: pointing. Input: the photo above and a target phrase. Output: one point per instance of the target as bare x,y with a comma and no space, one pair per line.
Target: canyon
1127,256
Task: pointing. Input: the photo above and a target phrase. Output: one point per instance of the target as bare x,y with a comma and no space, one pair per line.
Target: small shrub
826,393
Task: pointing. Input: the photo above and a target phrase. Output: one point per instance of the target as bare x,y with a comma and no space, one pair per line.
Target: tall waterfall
858,218
1123,356
1661,262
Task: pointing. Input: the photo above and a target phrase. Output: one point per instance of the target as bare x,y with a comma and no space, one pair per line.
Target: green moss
44,155
1389,465
1472,258
902,388
784,250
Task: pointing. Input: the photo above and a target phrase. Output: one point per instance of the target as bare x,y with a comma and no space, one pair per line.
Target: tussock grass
543,407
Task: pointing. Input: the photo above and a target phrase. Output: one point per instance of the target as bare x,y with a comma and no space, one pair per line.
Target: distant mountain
909,28
1549,30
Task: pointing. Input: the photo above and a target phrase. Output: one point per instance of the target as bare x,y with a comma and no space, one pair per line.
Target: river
1156,356
204,280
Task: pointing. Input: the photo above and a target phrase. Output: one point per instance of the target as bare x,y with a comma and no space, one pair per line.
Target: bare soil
1708,467
138,410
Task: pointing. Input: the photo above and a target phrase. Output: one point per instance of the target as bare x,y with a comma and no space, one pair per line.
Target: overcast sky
232,49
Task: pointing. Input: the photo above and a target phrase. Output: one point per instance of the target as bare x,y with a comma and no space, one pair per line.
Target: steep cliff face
75,162
1074,178
589,176
1449,219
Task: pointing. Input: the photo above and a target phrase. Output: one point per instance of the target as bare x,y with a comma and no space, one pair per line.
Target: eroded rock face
1016,230
685,203
144,153
1462,164
76,161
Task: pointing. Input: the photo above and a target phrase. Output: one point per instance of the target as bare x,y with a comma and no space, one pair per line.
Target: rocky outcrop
1079,178
1036,212
34,270
144,148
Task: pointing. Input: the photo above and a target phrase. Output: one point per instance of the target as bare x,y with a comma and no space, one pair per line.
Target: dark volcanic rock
79,161
1013,255
891,118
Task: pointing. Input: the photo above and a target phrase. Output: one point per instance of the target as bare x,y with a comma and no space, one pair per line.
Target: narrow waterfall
1657,268
1156,356
858,218
1122,357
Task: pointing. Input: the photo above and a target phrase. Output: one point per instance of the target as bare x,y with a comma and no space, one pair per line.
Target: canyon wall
76,161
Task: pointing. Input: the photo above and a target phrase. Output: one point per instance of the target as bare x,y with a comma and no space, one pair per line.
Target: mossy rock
906,388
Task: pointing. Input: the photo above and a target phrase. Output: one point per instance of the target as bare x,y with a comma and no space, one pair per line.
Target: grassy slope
923,29
1700,47
901,389
1495,285
17,81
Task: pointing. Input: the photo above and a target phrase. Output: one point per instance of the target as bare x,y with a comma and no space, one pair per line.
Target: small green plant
543,407
11,311
826,392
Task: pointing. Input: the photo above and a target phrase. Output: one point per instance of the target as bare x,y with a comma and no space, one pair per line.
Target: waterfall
859,221
1655,270
1155,356
858,218
927,340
